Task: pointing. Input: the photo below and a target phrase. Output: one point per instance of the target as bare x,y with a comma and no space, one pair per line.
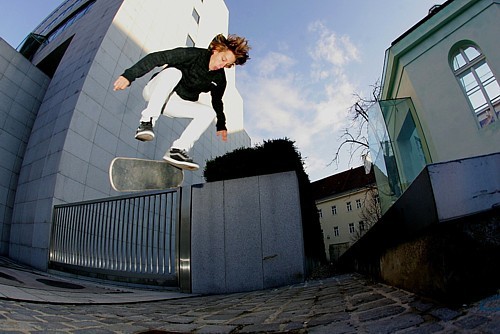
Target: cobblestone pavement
347,303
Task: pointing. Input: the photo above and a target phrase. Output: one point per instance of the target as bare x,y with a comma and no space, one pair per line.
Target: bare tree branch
355,137
370,214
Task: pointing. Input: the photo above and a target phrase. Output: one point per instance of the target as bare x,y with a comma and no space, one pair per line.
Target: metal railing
128,236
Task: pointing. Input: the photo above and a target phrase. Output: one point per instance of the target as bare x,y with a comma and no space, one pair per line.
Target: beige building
347,205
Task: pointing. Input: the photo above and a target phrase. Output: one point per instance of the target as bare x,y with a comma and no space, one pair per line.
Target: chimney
434,9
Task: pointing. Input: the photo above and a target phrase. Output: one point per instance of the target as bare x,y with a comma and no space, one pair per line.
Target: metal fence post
184,240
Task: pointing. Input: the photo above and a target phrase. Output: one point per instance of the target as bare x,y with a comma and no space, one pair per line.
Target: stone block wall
246,234
22,88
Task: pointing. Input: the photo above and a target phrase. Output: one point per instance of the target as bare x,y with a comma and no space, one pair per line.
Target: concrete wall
246,234
466,186
440,238
60,163
455,262
22,87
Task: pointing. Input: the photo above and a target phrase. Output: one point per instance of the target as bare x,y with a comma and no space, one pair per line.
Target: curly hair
237,45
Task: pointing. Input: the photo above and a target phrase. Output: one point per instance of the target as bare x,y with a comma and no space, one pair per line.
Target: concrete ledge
466,186
441,238
246,234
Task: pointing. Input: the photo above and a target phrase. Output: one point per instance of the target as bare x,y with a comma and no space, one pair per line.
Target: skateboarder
175,90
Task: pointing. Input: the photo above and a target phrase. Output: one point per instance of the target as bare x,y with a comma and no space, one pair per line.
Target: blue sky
308,59
20,17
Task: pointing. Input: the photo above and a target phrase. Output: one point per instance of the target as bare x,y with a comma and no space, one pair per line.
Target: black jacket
196,77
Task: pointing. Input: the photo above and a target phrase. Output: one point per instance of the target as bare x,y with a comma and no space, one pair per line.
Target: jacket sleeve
155,59
218,105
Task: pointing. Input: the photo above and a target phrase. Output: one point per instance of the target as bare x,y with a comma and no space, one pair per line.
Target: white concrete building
62,121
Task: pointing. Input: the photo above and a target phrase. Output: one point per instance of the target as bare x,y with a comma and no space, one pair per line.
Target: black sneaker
180,158
145,132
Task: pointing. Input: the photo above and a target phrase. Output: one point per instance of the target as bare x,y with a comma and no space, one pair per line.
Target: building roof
432,11
352,179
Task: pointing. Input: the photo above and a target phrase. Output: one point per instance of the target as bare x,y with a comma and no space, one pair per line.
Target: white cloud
305,100
274,62
331,48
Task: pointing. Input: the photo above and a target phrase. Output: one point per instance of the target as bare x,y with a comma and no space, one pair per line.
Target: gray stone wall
60,157
246,234
22,87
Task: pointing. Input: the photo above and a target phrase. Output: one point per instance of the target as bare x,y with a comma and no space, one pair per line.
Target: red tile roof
352,179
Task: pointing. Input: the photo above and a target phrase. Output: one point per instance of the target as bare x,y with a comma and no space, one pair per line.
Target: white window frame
196,16
190,41
358,204
482,86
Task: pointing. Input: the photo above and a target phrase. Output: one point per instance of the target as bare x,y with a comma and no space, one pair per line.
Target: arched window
478,82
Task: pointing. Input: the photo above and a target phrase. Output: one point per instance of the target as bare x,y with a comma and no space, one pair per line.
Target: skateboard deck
134,174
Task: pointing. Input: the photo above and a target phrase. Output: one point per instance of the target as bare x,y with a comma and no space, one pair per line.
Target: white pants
159,92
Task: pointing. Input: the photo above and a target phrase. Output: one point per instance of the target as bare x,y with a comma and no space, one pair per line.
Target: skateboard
134,174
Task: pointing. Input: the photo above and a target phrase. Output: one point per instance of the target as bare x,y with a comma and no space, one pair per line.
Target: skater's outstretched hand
121,83
222,134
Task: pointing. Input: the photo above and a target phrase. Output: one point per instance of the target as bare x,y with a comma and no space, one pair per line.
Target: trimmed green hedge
275,156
